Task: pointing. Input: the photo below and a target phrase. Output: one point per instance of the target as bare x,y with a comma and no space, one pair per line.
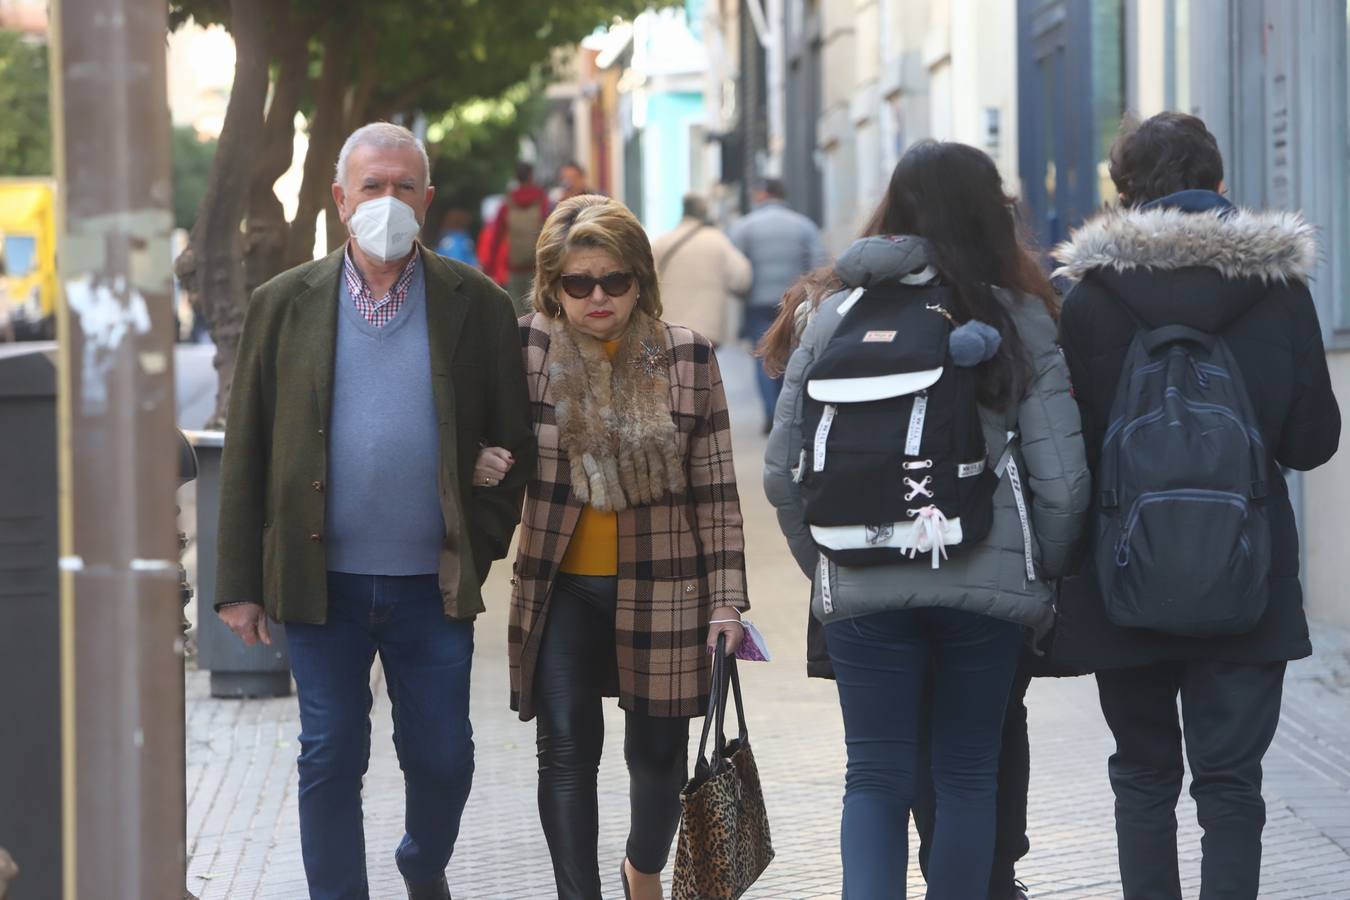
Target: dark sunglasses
615,284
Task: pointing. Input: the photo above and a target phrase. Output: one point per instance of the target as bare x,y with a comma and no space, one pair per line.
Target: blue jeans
880,663
426,661
758,319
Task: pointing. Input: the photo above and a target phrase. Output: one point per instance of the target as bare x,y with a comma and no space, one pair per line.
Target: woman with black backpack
930,477
1191,325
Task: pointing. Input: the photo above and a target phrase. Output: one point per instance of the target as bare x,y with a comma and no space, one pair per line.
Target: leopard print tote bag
724,843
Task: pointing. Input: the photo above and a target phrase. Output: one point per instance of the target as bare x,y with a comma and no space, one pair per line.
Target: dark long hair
952,196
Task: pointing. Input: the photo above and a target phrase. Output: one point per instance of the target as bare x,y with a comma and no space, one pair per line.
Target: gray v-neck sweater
383,510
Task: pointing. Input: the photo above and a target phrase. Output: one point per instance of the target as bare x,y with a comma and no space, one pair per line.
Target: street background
243,829
652,99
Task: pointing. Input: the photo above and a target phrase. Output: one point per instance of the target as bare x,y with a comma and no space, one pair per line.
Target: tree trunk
212,265
266,236
325,140
355,113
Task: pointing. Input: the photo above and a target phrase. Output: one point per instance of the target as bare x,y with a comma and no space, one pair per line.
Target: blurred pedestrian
700,271
940,242
455,241
515,232
490,259
572,181
344,514
631,558
782,246
1177,261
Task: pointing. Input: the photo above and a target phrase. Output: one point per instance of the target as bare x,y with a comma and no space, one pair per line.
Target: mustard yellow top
594,548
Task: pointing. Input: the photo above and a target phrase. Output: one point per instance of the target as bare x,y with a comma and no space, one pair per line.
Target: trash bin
30,610
236,670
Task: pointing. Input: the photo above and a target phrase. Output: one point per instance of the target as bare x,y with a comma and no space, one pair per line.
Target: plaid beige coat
679,558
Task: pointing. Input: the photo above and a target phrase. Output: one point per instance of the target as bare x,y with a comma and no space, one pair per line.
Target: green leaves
191,174
25,120
429,56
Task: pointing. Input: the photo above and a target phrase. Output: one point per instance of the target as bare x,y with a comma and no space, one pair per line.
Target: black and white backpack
893,462
1183,536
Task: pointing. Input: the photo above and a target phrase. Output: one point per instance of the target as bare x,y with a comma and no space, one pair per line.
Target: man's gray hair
382,136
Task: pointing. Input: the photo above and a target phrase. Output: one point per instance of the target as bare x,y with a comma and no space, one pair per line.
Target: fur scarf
1241,243
614,420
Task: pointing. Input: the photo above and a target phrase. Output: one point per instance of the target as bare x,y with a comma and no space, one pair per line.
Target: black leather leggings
576,657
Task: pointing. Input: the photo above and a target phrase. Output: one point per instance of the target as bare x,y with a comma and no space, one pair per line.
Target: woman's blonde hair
590,220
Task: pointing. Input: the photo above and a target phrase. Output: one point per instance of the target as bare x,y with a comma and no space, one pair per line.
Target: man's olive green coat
275,466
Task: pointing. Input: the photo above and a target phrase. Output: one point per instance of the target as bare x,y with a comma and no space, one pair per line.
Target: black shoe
430,890
1019,891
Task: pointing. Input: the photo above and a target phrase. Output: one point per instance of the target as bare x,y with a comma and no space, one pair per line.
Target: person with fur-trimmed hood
1176,252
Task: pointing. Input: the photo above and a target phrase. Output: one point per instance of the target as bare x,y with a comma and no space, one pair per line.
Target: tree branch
214,253
267,233
325,139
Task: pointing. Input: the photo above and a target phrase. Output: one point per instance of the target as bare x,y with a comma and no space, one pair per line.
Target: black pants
576,657
1229,713
1014,779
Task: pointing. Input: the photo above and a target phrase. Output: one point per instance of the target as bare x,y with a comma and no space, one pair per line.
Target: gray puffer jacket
990,577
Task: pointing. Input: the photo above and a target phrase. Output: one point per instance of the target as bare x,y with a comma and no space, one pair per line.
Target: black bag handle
1176,334
724,674
716,702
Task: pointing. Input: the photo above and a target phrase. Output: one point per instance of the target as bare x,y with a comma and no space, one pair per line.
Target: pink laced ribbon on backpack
929,527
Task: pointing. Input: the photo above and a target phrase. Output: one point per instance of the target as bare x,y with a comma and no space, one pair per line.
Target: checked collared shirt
378,313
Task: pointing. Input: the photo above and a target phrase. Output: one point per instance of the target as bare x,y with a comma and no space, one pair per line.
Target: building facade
639,110
859,81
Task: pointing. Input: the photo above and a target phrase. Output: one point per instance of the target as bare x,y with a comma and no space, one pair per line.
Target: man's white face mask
384,227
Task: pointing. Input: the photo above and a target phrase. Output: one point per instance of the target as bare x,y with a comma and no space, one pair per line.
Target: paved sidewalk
243,834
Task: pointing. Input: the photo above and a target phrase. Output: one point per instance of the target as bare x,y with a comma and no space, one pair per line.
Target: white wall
836,130
983,41
899,71
1326,493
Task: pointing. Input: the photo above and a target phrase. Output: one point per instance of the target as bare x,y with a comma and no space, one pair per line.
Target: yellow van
27,258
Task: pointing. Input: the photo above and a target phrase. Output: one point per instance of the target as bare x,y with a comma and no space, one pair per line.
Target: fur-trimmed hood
1238,243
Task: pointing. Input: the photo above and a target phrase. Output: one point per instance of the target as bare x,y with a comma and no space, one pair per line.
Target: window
20,252
993,138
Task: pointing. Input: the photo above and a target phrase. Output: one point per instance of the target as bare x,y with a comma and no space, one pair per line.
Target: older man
365,384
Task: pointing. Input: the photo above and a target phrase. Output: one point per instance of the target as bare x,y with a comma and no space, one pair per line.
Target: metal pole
121,650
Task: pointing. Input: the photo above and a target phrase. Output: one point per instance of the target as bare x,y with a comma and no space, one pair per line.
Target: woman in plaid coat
631,554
